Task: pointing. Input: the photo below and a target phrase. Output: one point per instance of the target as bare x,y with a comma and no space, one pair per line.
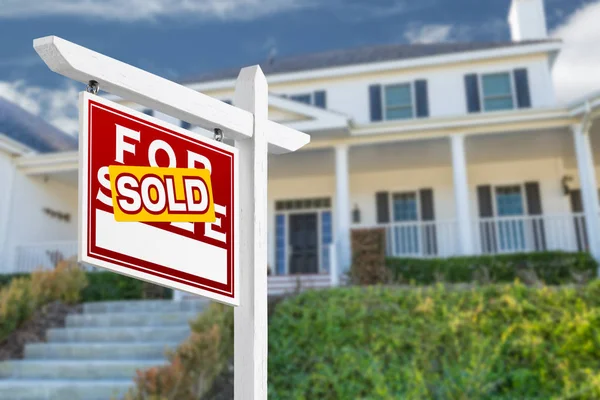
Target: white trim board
377,67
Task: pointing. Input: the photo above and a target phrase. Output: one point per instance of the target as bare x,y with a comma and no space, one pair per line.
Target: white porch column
342,209
461,195
589,191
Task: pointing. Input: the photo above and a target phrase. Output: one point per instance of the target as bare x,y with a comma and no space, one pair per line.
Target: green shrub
491,342
106,286
23,295
5,279
195,364
552,268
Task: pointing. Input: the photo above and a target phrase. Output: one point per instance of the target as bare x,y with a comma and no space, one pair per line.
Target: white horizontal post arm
160,94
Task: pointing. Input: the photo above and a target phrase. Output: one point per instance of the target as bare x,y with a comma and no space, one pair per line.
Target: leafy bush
5,279
368,257
195,364
106,286
552,268
491,342
23,295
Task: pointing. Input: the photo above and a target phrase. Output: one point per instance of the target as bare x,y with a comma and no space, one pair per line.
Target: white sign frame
84,204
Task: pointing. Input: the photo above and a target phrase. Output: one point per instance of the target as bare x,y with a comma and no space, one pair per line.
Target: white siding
28,223
6,178
446,87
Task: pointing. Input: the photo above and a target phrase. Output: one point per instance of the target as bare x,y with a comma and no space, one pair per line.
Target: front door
304,257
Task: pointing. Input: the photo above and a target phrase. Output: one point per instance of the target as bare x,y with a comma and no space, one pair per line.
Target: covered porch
456,193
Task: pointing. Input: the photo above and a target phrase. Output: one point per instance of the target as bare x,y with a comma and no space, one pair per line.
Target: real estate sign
157,202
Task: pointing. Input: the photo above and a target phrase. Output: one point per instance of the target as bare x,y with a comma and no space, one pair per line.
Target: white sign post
255,137
250,321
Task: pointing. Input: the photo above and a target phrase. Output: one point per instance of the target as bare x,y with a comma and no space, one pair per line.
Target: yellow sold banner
153,194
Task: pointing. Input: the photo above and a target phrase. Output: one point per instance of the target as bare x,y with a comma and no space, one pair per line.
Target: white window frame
499,218
393,224
504,185
286,214
391,206
511,80
413,99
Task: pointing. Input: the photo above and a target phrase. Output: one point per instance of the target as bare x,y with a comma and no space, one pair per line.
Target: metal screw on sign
218,135
92,87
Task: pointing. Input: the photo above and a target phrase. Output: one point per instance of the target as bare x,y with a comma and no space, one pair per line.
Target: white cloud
432,33
131,10
56,106
576,71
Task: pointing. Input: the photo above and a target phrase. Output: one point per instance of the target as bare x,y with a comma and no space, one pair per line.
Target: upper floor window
302,98
317,98
497,92
398,101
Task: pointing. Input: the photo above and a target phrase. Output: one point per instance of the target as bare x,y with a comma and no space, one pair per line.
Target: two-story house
452,148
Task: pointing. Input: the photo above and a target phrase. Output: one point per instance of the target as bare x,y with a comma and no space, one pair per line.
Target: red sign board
196,257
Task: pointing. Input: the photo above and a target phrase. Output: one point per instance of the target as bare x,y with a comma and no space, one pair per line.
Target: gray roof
361,55
32,131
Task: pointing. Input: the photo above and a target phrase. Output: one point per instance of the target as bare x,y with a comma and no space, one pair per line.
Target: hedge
551,268
107,286
24,295
491,342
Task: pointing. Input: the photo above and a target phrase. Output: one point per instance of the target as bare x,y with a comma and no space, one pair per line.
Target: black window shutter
382,200
422,98
375,103
522,88
427,209
579,221
534,207
321,99
534,200
428,232
576,202
486,227
472,92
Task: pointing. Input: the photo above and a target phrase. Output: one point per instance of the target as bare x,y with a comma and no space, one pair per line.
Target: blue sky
181,38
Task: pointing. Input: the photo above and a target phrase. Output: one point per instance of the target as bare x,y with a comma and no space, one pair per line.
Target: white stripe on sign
148,243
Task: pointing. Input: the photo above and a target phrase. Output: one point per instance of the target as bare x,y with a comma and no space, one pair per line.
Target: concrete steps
119,334
36,389
74,370
130,319
98,352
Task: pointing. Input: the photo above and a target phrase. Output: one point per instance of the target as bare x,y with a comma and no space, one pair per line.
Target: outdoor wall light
356,214
565,184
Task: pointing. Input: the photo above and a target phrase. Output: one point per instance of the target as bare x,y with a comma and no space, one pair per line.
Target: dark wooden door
304,257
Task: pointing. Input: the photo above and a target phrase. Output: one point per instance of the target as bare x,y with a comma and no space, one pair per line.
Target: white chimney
527,20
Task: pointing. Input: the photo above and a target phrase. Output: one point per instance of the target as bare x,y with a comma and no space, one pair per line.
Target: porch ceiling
66,177
492,148
304,163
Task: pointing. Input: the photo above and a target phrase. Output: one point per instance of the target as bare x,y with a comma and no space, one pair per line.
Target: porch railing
45,255
496,235
419,238
516,234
